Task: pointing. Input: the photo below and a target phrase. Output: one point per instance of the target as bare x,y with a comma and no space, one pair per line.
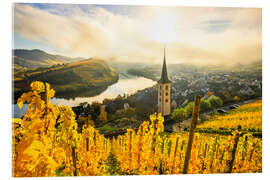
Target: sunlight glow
163,28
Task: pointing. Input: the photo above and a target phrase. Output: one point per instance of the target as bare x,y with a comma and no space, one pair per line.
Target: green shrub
189,108
205,105
179,115
216,102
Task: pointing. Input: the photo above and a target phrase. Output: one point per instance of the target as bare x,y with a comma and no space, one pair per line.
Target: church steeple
164,76
164,91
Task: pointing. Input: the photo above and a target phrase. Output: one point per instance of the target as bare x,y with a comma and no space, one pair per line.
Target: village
114,116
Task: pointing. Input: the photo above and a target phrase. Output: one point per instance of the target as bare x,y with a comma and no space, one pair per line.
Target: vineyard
247,117
46,142
150,152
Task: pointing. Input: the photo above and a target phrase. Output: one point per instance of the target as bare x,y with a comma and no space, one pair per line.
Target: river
128,85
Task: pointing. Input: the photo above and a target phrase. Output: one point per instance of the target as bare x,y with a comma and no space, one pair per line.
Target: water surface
123,86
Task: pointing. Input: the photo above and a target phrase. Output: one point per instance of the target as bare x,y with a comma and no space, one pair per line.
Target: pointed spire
164,76
164,52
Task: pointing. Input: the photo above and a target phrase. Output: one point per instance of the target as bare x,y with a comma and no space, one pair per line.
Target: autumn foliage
46,142
248,117
150,151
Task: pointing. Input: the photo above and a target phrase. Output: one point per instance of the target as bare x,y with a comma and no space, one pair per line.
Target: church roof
164,76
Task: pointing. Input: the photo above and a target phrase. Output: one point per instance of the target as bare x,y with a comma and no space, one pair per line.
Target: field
46,142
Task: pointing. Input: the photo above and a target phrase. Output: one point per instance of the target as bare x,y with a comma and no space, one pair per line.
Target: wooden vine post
44,97
236,140
87,139
74,161
140,130
195,116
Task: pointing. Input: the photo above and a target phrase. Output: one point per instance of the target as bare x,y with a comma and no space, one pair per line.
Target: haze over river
128,85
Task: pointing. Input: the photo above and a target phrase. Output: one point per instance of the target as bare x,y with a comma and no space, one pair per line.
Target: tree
179,114
215,101
189,108
226,94
205,105
95,110
209,94
103,113
143,111
106,101
130,112
83,104
236,98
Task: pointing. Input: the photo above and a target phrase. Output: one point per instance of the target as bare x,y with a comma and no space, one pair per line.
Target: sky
200,35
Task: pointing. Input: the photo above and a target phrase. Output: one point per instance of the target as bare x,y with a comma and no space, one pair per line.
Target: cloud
197,35
74,33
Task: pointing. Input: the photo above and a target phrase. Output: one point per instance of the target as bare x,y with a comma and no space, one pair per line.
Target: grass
108,128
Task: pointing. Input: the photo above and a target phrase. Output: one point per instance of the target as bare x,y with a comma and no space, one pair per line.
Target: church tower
164,91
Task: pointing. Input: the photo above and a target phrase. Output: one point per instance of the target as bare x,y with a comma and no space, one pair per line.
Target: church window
159,100
167,87
166,100
166,93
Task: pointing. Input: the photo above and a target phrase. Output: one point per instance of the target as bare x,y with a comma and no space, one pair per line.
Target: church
164,92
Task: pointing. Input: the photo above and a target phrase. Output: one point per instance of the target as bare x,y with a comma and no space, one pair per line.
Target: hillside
92,75
37,58
246,118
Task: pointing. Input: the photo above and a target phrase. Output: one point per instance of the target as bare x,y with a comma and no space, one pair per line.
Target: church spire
164,76
164,59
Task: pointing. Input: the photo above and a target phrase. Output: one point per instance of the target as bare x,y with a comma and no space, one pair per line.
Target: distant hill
154,71
87,75
38,58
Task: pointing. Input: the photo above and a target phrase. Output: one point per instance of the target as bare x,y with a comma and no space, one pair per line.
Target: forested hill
38,58
91,74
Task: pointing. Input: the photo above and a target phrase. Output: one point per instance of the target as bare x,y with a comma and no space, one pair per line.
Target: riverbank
125,85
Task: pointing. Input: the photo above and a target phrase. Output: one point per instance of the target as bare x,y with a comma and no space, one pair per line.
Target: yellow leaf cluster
46,141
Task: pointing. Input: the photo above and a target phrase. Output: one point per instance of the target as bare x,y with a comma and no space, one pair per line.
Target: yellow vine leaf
37,86
16,120
20,104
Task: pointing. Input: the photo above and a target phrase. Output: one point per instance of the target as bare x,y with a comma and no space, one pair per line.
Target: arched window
167,87
166,93
166,100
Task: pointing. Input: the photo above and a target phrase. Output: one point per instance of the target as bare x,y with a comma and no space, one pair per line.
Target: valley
92,76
